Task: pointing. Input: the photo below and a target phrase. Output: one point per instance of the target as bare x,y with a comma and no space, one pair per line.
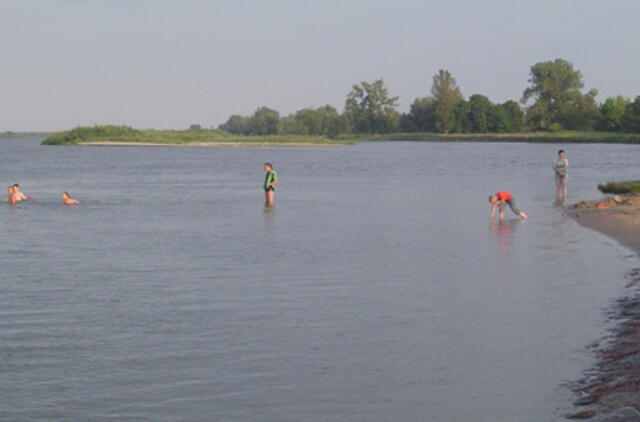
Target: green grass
110,133
630,186
542,137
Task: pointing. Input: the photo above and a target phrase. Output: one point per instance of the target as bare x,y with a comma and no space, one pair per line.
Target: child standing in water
560,167
499,200
270,181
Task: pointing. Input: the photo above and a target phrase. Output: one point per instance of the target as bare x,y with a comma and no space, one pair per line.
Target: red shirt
503,196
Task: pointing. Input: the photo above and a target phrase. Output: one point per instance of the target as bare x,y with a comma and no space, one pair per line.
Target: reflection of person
560,167
270,180
67,199
15,195
499,200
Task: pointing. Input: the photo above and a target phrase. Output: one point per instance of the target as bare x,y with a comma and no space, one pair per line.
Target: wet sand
612,392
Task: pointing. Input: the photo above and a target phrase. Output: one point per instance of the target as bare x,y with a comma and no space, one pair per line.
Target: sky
167,64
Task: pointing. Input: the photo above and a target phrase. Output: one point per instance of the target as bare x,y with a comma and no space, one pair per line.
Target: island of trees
555,106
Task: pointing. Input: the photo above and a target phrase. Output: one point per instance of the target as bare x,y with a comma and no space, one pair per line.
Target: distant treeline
20,135
553,101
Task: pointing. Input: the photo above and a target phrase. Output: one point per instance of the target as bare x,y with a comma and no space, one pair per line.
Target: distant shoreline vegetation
119,135
555,100
20,135
125,135
560,137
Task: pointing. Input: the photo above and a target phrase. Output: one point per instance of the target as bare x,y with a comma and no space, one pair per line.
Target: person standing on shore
270,180
499,200
560,168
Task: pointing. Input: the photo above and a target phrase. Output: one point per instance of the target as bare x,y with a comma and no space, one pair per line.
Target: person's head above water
65,195
268,166
492,199
561,153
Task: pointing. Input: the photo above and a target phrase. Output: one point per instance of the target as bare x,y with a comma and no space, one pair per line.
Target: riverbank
564,137
614,389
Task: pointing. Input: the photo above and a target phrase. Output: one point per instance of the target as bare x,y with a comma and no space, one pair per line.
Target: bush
620,187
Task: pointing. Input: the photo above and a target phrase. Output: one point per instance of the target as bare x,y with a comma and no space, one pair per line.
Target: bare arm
493,209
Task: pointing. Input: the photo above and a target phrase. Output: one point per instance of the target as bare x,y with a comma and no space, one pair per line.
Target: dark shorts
512,204
271,189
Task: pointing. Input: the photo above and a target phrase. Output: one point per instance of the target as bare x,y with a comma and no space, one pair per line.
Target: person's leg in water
515,209
269,197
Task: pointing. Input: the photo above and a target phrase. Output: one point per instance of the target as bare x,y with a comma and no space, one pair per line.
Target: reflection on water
185,300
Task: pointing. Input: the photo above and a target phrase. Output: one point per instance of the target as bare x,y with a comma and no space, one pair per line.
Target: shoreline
613,393
206,144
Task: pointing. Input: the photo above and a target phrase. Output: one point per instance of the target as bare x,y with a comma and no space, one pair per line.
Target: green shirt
270,178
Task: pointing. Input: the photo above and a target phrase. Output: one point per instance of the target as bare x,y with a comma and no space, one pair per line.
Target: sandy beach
613,393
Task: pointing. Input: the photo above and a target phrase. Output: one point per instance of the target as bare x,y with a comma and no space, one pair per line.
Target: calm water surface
377,289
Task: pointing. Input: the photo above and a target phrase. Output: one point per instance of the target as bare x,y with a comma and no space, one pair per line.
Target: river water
376,290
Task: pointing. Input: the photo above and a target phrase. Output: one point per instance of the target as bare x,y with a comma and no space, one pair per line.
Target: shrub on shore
632,186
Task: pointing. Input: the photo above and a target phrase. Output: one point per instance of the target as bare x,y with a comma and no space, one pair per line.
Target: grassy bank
620,188
546,137
127,135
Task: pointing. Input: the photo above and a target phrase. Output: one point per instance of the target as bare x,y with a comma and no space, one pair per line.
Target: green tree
447,95
370,109
265,121
421,117
612,113
195,126
514,116
236,124
631,119
480,108
555,91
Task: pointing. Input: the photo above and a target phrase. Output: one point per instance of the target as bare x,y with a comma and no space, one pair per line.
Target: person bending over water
68,200
499,200
560,167
270,180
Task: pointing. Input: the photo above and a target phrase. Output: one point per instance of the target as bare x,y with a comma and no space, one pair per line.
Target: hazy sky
170,63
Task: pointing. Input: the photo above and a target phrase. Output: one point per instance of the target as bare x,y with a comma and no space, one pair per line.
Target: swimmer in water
16,195
270,181
68,200
11,199
499,200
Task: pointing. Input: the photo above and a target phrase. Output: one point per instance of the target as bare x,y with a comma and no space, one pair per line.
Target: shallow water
377,289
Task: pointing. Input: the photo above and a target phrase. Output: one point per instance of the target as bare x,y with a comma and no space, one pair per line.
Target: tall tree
447,95
265,121
480,108
631,119
422,116
236,124
555,91
514,117
370,109
612,113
